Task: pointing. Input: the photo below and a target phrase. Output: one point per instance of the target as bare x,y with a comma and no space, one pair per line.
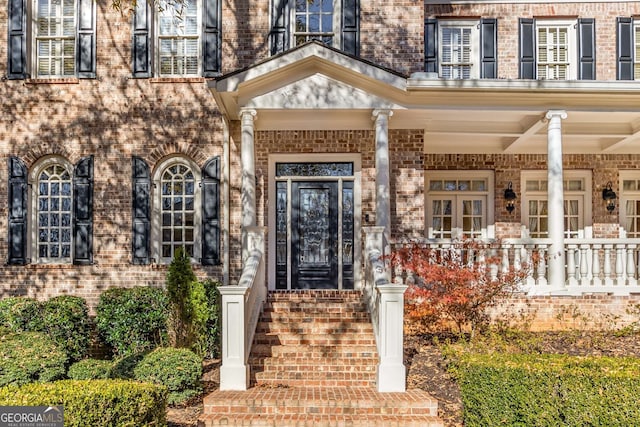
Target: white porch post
247,158
383,197
555,199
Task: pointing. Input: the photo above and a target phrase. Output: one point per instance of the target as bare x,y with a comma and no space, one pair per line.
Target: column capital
378,112
556,113
248,114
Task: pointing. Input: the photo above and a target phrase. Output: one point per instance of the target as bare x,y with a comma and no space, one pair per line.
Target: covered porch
531,126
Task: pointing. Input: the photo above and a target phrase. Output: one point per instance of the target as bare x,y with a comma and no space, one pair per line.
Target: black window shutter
141,214
86,55
211,38
17,212
586,49
431,45
624,69
527,48
351,26
279,34
83,211
211,212
141,43
489,48
17,43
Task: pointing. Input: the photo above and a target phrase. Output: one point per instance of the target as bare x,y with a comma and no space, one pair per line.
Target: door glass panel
347,235
314,169
314,226
281,235
441,221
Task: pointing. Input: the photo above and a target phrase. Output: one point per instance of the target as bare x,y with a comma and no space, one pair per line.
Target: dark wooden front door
314,235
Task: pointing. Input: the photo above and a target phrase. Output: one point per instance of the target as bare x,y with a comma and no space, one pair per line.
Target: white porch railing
241,308
592,265
385,301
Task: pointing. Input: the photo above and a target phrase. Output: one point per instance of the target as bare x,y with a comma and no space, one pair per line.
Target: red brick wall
605,14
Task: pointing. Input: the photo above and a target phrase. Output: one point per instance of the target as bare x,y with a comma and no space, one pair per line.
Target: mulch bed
426,368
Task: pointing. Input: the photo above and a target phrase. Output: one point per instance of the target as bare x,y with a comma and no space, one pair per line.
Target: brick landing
313,363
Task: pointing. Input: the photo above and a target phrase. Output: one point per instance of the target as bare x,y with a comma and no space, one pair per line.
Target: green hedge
179,369
95,403
21,314
91,369
547,390
30,357
133,320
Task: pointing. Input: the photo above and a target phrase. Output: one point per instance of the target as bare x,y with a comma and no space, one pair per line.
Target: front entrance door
314,235
314,226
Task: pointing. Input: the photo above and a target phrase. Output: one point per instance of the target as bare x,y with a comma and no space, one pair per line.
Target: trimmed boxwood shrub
90,369
96,403
21,314
132,320
548,390
66,321
30,357
179,369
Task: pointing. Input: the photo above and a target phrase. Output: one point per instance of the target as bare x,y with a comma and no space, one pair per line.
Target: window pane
178,209
54,214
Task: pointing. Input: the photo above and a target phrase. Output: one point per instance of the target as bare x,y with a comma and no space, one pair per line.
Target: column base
235,377
392,378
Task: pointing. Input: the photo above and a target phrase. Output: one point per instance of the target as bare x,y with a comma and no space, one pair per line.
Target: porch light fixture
510,197
609,197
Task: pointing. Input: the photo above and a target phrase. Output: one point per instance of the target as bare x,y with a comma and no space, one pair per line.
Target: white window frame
636,49
156,218
36,38
570,26
584,198
336,24
34,189
474,54
627,194
488,222
159,37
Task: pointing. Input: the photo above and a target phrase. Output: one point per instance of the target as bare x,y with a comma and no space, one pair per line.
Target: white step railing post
391,370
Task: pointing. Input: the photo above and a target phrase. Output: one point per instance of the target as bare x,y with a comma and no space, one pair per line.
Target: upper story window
52,39
577,203
628,48
51,211
553,49
461,49
332,22
177,39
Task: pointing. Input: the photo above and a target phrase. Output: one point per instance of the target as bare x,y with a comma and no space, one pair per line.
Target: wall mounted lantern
609,197
510,197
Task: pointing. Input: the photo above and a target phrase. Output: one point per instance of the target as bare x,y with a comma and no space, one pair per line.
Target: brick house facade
465,90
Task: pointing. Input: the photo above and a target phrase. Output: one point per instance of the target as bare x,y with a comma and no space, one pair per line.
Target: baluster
493,272
606,267
631,266
529,261
619,265
584,265
541,278
597,280
505,259
571,265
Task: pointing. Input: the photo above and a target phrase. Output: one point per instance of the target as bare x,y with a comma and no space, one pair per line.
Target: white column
247,157
392,373
383,191
555,196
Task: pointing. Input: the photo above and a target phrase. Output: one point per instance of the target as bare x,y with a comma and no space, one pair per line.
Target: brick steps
313,363
320,406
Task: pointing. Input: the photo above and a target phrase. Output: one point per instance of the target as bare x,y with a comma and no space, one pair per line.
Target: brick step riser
323,316
341,312
313,330
337,369
277,383
318,342
314,408
333,361
320,421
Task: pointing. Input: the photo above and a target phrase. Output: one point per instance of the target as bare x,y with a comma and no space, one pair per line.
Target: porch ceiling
315,87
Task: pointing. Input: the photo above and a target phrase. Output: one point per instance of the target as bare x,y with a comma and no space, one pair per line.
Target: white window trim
624,196
156,210
337,23
585,175
488,175
32,234
571,25
475,43
32,26
156,43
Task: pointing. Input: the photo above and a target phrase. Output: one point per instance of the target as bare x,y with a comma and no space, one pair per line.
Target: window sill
177,80
65,80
